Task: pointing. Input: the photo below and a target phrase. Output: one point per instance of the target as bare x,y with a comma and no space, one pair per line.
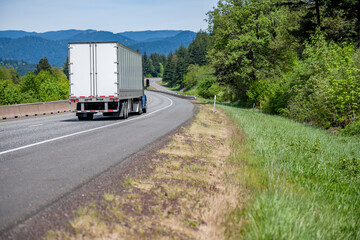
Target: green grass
304,182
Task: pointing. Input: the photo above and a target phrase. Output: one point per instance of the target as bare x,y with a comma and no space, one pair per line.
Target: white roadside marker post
214,103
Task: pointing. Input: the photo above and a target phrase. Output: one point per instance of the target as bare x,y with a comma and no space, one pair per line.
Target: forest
298,59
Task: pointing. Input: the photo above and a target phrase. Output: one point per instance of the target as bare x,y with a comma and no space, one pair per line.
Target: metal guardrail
174,94
33,109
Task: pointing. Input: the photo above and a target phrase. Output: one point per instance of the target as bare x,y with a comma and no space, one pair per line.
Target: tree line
43,85
299,59
153,66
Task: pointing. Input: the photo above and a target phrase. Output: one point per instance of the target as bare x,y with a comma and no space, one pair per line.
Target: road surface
154,84
44,158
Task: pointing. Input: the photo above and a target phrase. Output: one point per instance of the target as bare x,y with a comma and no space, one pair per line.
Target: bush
352,129
324,87
45,86
9,93
207,87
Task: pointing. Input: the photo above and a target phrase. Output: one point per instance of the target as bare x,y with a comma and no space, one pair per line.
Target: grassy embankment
305,183
185,194
272,179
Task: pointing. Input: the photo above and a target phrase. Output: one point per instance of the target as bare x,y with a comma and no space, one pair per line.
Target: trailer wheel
125,110
140,108
81,118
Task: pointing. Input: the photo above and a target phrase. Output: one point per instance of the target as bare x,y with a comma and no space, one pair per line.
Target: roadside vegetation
256,177
43,85
303,181
153,66
298,59
299,62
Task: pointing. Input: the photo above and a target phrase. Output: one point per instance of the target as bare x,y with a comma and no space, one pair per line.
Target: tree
243,54
66,67
182,63
9,73
9,93
151,70
198,49
146,66
338,19
169,68
43,65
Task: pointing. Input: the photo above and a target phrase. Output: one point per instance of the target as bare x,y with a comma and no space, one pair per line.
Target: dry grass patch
187,195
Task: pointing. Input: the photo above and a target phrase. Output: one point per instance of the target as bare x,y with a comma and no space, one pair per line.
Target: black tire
88,117
125,111
144,110
140,108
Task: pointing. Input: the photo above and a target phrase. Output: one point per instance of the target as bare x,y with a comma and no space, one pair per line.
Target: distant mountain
62,34
146,36
21,67
32,49
100,36
52,35
32,46
15,34
164,46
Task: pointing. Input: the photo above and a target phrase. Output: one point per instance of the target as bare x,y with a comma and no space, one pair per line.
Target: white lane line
89,130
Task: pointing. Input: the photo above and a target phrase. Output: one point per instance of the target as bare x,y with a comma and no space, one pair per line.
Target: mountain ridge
20,45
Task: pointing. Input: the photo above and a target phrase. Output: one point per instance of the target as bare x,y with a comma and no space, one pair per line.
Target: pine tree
198,49
66,67
182,63
43,65
146,66
169,69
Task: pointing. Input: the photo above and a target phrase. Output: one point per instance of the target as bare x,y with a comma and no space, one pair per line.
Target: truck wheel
125,111
88,117
140,108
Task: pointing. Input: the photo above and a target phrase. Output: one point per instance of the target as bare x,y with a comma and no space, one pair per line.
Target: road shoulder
177,187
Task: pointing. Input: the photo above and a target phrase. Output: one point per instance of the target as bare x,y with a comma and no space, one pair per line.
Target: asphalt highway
44,158
153,83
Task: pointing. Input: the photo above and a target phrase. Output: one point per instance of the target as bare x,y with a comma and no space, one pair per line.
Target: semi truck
105,78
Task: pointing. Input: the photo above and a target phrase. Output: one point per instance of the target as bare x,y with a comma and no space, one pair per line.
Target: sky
107,15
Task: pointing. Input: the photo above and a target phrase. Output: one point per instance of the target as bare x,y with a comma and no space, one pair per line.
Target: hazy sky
108,15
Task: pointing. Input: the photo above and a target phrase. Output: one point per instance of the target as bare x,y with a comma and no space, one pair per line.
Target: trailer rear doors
93,69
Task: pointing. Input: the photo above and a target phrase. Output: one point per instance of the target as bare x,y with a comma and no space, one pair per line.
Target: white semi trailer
107,78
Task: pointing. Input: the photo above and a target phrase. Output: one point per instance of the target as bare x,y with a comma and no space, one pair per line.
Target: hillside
21,67
146,36
32,46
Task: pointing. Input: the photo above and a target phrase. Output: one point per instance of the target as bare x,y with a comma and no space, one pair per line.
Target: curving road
43,158
154,84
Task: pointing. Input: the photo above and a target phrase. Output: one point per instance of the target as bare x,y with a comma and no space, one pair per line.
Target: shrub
352,129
